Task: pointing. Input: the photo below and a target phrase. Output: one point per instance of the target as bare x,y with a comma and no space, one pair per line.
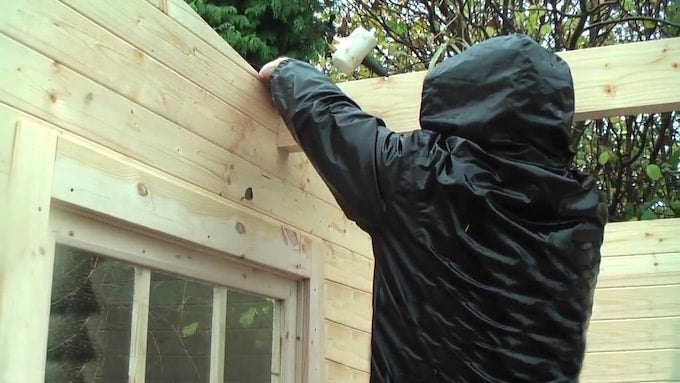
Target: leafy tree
261,30
636,158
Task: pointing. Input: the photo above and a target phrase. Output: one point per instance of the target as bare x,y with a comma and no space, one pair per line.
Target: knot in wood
142,190
240,228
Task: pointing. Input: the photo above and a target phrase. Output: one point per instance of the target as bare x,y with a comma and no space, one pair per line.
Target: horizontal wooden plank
348,306
184,15
158,36
651,298
640,270
110,184
100,235
348,268
76,42
642,237
347,346
631,366
614,80
633,334
59,95
338,373
636,302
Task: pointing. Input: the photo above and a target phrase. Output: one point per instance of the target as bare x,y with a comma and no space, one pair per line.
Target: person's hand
268,68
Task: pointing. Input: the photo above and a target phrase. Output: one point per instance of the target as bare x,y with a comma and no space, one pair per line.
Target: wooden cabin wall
148,84
146,91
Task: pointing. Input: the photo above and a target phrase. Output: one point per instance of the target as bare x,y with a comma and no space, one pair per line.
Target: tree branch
627,19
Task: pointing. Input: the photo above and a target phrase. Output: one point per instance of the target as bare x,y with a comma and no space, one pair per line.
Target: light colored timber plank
183,14
57,94
353,307
313,318
633,334
636,302
349,268
76,42
348,306
147,28
109,184
218,335
631,366
26,248
125,243
348,349
642,237
139,325
640,270
347,346
623,79
338,373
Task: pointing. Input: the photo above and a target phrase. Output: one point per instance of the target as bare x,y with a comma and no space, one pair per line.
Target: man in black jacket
486,243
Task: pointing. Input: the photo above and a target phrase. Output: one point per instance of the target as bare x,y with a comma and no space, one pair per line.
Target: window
130,307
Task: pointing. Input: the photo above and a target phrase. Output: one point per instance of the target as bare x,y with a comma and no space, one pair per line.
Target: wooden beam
26,248
218,336
641,77
114,186
200,127
139,325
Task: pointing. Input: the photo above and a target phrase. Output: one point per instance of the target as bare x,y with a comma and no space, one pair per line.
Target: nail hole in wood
249,194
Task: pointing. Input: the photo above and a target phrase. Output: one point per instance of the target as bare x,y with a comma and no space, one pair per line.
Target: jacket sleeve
352,151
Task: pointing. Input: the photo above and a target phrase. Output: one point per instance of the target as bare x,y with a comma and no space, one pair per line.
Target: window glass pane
248,350
90,318
180,319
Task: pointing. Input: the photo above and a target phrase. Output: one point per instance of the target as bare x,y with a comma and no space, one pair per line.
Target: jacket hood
509,95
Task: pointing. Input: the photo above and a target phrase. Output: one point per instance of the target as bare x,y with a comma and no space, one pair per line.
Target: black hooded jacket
486,244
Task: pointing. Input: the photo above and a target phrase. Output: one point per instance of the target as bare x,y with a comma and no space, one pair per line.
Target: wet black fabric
486,245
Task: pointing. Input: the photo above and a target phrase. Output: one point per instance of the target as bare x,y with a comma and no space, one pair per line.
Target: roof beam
625,79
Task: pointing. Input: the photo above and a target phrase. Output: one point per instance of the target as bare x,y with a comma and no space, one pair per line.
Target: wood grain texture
103,235
634,334
348,306
642,237
151,31
348,268
339,373
139,325
184,15
614,80
114,186
347,346
631,366
57,94
639,270
76,42
26,248
218,334
637,302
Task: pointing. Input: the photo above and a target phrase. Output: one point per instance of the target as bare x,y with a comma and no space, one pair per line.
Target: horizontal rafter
642,77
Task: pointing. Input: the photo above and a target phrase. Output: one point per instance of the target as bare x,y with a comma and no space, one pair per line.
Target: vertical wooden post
26,249
140,325
218,336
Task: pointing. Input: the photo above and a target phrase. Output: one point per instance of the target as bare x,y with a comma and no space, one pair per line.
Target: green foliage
261,30
636,158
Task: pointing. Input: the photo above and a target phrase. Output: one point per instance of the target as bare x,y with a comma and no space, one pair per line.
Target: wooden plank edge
575,58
